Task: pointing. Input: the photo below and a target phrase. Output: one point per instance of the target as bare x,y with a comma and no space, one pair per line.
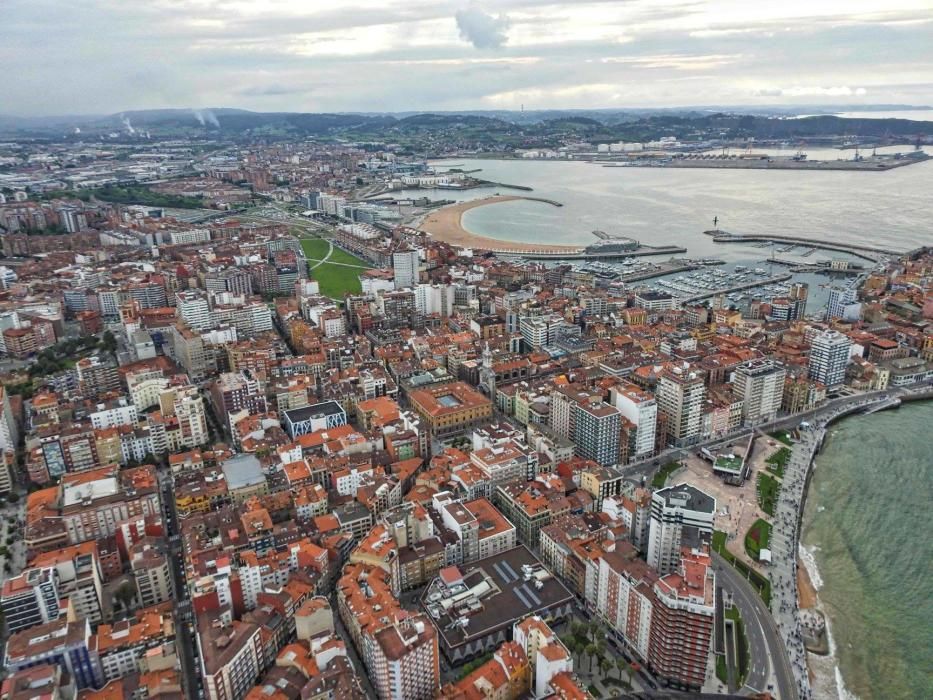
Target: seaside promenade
785,536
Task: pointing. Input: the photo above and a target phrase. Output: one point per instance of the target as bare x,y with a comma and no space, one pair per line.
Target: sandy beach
806,591
445,224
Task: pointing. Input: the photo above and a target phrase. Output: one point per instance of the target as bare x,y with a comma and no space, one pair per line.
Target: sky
104,56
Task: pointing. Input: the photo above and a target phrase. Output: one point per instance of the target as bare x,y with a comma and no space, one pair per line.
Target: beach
445,224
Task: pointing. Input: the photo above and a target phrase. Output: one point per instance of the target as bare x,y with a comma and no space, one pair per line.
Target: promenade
785,535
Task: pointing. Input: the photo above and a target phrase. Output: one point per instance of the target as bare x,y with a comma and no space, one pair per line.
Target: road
764,641
184,635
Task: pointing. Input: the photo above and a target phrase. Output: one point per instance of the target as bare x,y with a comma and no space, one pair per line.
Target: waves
866,552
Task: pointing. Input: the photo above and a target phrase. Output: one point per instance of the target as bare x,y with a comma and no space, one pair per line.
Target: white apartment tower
681,393
760,386
829,356
405,262
640,408
680,517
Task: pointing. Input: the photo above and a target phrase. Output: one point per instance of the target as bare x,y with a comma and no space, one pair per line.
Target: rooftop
489,595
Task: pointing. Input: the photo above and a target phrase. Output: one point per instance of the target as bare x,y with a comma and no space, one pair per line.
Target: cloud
483,30
273,90
815,91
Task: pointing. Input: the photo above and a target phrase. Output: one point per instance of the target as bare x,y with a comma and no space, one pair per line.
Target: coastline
446,225
824,671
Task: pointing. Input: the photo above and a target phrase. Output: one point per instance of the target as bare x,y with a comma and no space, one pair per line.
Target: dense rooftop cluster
235,486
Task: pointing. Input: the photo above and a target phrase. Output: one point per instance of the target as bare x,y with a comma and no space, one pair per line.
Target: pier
735,288
582,254
863,251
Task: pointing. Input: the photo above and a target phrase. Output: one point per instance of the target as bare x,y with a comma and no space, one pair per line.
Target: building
842,303
311,419
596,434
151,569
474,609
405,263
829,357
450,410
681,395
640,408
30,599
682,623
230,653
233,392
481,529
61,643
681,516
403,660
760,387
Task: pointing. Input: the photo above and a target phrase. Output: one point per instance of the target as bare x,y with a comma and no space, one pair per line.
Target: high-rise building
680,395
597,432
404,661
681,516
829,356
641,409
405,262
760,386
682,622
841,301
232,392
30,599
150,568
193,308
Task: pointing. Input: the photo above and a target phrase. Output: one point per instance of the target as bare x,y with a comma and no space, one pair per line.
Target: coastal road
766,650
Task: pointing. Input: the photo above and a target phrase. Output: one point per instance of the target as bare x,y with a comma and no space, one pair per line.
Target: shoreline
825,673
446,225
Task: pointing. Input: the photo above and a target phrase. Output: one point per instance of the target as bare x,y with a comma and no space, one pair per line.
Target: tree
13,497
590,651
108,343
604,665
125,594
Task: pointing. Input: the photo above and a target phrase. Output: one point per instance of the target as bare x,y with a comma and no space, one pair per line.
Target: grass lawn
778,461
782,436
335,280
741,644
757,538
314,248
768,488
660,479
761,583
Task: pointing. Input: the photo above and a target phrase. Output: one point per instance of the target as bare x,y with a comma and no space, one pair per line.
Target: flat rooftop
490,594
318,410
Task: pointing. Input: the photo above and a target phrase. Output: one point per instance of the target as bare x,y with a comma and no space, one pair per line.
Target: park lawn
337,280
761,583
768,488
314,248
782,436
757,538
341,256
660,479
778,461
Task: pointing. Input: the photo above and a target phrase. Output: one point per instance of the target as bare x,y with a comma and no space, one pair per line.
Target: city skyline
104,57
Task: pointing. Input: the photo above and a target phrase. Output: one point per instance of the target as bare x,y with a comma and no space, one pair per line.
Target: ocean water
670,206
866,524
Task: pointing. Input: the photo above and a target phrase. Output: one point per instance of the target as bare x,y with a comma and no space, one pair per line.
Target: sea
867,520
671,206
866,529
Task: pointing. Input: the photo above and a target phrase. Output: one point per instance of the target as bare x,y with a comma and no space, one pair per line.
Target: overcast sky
103,56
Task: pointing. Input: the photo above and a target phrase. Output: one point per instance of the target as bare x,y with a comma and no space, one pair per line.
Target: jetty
585,254
866,252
